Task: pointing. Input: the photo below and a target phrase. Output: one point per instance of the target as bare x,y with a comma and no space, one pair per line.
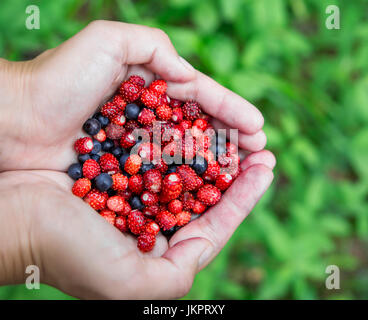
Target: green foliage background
311,83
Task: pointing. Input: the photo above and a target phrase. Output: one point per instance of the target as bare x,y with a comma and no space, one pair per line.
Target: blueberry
199,165
168,233
123,159
96,147
171,168
92,126
135,203
101,119
95,157
107,145
117,152
126,174
145,167
83,157
103,182
132,111
75,171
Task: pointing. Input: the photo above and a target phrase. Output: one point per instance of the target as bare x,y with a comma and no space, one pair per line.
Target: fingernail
186,64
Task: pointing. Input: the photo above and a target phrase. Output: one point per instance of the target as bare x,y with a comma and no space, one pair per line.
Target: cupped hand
46,100
80,253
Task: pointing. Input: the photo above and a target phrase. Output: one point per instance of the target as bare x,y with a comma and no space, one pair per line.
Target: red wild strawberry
131,125
209,195
212,172
119,182
110,110
183,218
133,164
83,145
175,103
224,181
231,148
164,112
186,124
130,91
149,151
127,140
191,110
151,227
136,221
91,169
177,115
163,100
198,207
119,119
119,101
100,136
81,187
158,86
146,116
136,184
175,206
114,131
150,98
138,80
96,199
146,242
151,211
109,163
121,223
149,198
166,220
161,165
188,200
152,180
108,215
116,203
191,181
171,187
200,124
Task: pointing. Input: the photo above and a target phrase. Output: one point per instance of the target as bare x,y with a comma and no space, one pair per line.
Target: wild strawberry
187,199
100,136
126,194
191,181
198,207
149,151
136,184
151,227
171,187
121,223
146,242
146,116
119,182
130,91
114,131
91,169
163,100
209,195
161,165
189,148
164,112
182,218
175,103
149,98
175,206
200,124
81,187
212,172
152,180
151,211
131,125
138,80
166,220
191,110
127,140
110,110
83,145
186,124
158,86
149,198
96,199
116,203
136,221
133,164
109,163
177,115
119,119
109,216
119,101
231,148
224,181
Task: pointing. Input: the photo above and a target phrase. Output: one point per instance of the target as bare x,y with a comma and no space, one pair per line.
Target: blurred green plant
310,83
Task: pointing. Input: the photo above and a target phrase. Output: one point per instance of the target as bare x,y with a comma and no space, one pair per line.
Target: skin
45,102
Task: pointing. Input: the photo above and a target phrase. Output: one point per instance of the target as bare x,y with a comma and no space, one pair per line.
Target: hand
80,253
45,101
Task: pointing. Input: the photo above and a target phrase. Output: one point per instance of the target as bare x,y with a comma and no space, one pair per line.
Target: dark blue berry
199,165
145,167
96,147
123,159
103,182
101,119
75,171
107,145
168,233
135,203
132,111
92,126
95,157
171,168
83,157
117,152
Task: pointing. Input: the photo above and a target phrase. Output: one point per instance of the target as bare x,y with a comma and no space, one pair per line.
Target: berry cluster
151,163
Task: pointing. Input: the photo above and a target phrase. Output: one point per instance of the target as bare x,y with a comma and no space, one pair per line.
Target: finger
219,102
262,157
253,143
219,223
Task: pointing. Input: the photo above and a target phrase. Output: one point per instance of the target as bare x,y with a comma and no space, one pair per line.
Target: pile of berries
151,163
